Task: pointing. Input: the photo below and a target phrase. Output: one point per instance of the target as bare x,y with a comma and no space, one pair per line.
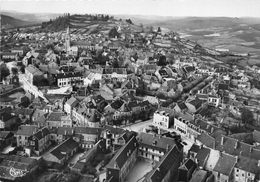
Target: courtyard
139,169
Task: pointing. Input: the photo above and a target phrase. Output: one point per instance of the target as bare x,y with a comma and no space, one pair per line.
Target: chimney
236,145
258,164
212,130
222,140
167,147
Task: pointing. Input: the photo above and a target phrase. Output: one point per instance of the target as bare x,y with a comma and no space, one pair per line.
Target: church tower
67,40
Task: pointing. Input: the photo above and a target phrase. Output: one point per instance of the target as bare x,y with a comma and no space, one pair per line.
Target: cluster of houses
116,85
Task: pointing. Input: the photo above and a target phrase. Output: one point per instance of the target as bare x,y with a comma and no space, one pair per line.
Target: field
238,39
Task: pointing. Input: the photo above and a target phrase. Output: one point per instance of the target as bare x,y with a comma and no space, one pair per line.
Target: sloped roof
188,164
26,130
41,133
64,148
55,116
248,164
155,141
225,164
118,161
165,164
202,155
256,136
72,102
207,140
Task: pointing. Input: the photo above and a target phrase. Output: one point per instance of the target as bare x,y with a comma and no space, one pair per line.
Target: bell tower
67,40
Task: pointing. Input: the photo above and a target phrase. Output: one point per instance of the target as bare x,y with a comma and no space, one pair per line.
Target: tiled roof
4,134
66,131
207,140
26,130
118,161
256,136
55,116
64,148
199,176
41,133
155,141
248,164
255,153
165,165
225,164
88,130
72,102
196,103
202,155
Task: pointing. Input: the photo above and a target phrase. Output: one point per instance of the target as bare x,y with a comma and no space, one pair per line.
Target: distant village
125,103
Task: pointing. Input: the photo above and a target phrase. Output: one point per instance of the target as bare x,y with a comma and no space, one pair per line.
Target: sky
175,8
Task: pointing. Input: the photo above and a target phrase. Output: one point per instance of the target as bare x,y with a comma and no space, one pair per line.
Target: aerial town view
130,91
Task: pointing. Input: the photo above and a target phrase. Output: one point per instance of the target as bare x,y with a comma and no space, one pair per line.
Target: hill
31,17
10,22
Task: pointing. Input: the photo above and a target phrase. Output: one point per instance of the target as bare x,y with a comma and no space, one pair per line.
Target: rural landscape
118,97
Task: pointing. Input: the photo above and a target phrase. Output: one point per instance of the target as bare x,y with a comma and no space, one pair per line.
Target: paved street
138,171
25,84
138,127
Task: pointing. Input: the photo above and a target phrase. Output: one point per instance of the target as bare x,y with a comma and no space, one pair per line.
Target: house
123,161
62,152
23,133
31,72
17,50
153,147
163,117
39,117
69,78
40,141
24,113
180,107
14,168
119,73
88,136
214,100
7,120
54,119
167,168
256,137
186,170
6,138
116,137
62,134
9,56
246,169
194,105
70,104
224,167
199,176
87,117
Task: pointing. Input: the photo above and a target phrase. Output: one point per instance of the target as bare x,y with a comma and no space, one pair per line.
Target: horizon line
170,16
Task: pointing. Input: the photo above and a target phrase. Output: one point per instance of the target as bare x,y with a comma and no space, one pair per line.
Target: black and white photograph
130,91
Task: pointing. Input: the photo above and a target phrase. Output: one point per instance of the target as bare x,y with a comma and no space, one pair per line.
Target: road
138,127
25,84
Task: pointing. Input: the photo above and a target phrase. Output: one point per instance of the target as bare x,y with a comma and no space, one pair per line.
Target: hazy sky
231,8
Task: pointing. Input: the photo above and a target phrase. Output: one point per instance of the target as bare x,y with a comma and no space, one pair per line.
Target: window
237,170
248,174
242,174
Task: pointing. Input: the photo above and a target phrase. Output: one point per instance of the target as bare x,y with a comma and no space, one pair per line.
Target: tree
247,116
14,70
159,29
4,72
